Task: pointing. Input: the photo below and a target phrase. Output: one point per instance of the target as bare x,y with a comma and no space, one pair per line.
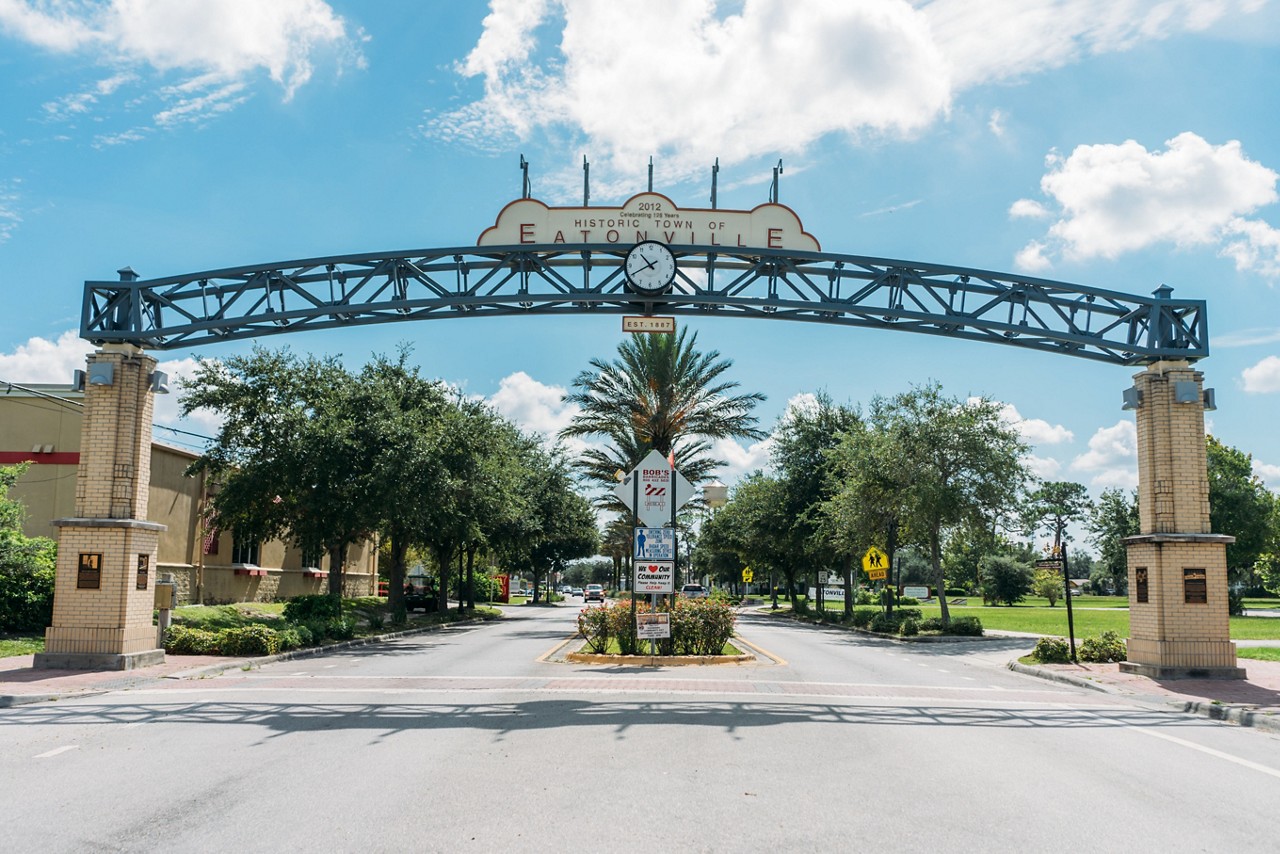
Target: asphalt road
484,739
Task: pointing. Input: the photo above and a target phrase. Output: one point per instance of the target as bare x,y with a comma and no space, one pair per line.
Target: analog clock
650,268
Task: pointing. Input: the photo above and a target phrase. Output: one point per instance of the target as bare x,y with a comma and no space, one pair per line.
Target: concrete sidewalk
1253,701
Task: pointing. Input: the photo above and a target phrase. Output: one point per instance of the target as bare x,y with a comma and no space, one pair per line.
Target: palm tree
659,394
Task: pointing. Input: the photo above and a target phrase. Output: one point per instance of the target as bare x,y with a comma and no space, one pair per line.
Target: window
1195,586
1140,583
245,552
311,558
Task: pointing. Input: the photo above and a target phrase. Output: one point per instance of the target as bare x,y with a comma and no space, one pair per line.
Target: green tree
1114,517
293,453
939,461
1005,579
804,440
27,564
747,527
1053,506
1047,583
1239,504
659,394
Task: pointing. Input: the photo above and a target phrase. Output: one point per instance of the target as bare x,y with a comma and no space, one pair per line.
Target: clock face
650,267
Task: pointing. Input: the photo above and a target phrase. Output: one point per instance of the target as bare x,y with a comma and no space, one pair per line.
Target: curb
655,660
11,700
1210,711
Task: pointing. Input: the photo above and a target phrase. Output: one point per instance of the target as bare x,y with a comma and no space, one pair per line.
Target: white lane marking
328,666
968,679
58,750
940,670
299,673
1244,763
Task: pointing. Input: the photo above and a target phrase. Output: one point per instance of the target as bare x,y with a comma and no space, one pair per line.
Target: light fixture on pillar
77,380
102,373
1132,398
1186,392
1210,400
158,382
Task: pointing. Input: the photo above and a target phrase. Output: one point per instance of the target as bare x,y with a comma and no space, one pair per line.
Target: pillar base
97,660
1163,671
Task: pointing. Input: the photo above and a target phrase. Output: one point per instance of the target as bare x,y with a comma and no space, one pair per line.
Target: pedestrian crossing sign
876,563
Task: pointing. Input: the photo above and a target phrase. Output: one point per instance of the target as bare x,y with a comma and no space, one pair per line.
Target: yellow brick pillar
105,584
1178,621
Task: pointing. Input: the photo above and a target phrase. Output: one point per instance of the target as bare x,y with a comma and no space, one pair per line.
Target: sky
1112,143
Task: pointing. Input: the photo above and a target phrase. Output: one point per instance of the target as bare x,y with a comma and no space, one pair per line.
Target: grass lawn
1259,653
215,617
11,645
1089,620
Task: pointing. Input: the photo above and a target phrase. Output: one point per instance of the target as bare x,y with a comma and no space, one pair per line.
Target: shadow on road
622,716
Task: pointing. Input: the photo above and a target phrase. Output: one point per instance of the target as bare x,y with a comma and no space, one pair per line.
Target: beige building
41,424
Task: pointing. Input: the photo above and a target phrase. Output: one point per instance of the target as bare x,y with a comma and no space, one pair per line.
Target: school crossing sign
876,564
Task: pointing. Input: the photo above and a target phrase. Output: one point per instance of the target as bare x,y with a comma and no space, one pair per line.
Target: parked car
693,591
576,591
593,592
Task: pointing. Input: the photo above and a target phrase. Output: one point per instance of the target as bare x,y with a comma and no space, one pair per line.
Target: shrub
304,634
1104,648
862,617
701,626
932,624
863,597
341,628
953,592
967,626
250,640
1004,579
884,623
180,640
26,581
290,638
593,624
1052,651
908,600
315,606
909,627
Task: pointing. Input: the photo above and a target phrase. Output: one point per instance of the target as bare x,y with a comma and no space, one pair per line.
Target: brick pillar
103,599
1178,623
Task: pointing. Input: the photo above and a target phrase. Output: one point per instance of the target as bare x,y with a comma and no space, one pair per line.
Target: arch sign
648,216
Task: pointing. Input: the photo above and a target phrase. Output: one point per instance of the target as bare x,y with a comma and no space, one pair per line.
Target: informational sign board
653,626
632,323
655,577
1050,563
655,487
916,592
649,216
654,544
829,594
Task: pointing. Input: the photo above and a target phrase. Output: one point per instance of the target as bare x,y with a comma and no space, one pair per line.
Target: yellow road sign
874,560
877,574
747,574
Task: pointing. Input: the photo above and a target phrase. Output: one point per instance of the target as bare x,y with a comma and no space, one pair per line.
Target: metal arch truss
820,287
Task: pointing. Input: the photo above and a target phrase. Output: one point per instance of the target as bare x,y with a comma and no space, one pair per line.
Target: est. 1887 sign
649,216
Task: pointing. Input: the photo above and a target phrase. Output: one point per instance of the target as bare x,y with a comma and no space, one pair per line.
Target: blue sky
1114,143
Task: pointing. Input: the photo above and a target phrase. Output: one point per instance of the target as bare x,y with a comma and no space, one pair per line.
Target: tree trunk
471,576
337,557
847,570
935,556
444,555
395,584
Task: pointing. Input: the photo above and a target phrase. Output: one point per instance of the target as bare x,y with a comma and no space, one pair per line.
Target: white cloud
995,123
991,40
222,42
1264,377
768,76
1113,199
1032,258
9,216
1270,474
1112,457
1034,431
741,460
533,406
43,361
750,80
1044,468
1028,209
1247,337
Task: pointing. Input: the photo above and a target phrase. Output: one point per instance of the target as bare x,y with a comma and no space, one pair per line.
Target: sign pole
635,510
1066,583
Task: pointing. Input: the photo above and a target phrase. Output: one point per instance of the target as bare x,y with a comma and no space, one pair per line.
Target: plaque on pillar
89,571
